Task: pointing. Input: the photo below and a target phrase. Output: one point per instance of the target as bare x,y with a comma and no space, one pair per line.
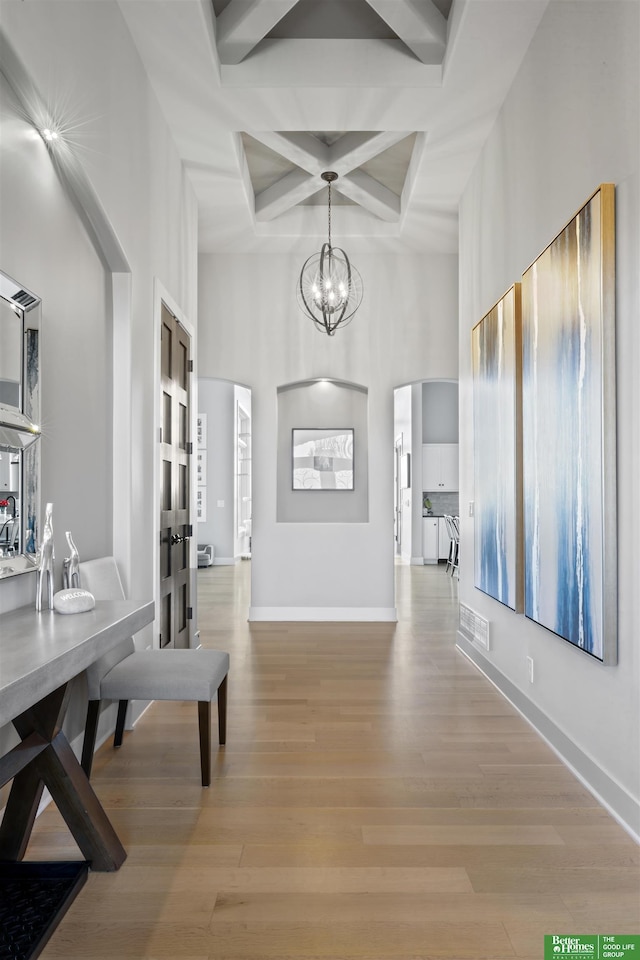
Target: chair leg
90,734
204,724
122,714
222,711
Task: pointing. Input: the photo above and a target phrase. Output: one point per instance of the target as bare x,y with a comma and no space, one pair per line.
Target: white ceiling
397,96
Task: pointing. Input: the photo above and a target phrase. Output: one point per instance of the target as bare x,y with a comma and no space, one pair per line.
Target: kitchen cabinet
439,467
430,539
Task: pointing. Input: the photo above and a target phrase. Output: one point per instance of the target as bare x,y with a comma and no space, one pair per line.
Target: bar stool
455,523
448,521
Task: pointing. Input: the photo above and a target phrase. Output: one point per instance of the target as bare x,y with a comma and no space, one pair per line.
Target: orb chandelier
329,289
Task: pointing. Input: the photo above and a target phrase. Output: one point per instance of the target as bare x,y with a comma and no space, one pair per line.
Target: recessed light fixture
49,135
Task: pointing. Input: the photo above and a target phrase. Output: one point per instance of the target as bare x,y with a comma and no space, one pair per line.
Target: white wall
80,59
216,398
242,400
402,431
416,473
570,122
251,330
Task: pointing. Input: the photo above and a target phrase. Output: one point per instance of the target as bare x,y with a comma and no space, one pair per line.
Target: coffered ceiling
396,96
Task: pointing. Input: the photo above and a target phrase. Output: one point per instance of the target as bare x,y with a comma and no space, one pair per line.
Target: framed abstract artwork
201,431
322,459
497,382
569,431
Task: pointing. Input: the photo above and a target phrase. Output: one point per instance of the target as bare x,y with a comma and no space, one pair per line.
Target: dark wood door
175,528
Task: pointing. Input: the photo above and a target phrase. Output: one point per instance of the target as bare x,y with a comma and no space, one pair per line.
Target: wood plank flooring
377,798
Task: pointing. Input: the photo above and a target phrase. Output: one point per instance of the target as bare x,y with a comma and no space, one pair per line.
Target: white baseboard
624,807
417,561
319,614
225,561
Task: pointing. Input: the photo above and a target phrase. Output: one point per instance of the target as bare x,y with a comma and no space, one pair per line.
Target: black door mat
33,899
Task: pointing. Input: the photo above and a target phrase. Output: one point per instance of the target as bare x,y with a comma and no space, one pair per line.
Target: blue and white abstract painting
563,426
496,386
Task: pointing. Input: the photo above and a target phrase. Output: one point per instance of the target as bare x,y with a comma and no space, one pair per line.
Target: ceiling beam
370,195
244,23
286,193
312,158
354,149
303,149
418,23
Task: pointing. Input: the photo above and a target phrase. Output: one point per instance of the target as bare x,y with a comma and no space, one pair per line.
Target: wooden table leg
20,813
57,768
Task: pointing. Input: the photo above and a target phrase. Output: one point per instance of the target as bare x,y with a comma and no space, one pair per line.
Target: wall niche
321,405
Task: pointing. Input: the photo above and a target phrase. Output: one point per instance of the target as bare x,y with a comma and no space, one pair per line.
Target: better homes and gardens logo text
593,948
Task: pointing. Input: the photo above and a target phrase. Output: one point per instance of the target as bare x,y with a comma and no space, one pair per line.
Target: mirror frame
27,306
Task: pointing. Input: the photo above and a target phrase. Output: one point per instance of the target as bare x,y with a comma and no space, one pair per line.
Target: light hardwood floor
377,798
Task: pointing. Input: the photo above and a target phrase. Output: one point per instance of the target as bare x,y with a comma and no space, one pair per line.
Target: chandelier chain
329,185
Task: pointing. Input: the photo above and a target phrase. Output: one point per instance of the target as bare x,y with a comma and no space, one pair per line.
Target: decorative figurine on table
72,598
46,560
71,567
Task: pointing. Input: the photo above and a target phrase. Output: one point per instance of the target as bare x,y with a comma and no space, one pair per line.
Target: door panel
175,530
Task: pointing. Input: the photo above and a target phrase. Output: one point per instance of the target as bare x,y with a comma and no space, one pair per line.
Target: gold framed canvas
569,431
497,385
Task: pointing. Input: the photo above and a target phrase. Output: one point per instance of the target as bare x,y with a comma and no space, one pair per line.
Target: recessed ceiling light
48,134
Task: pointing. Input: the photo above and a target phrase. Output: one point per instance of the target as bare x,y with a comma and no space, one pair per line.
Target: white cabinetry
439,467
430,539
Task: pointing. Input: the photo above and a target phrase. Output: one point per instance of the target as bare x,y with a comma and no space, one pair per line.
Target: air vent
474,626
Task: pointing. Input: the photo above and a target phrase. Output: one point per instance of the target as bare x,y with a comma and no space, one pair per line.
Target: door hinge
189,530
190,366
189,613
160,434
189,447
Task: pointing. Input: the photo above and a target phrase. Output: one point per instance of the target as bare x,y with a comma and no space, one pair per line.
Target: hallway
377,798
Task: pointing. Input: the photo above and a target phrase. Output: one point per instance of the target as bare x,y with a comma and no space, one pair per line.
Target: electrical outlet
221,503
530,668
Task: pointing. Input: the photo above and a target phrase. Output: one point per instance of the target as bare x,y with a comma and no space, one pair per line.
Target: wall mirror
20,318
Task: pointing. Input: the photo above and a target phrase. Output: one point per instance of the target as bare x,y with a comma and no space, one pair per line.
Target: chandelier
330,288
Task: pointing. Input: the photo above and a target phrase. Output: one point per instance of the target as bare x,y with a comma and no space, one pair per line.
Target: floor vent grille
475,626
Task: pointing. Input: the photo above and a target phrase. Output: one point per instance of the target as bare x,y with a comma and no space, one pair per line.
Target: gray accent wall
439,412
323,404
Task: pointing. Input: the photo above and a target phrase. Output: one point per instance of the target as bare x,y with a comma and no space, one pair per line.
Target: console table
39,654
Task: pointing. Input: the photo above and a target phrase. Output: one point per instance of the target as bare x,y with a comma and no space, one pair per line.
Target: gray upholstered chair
125,673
